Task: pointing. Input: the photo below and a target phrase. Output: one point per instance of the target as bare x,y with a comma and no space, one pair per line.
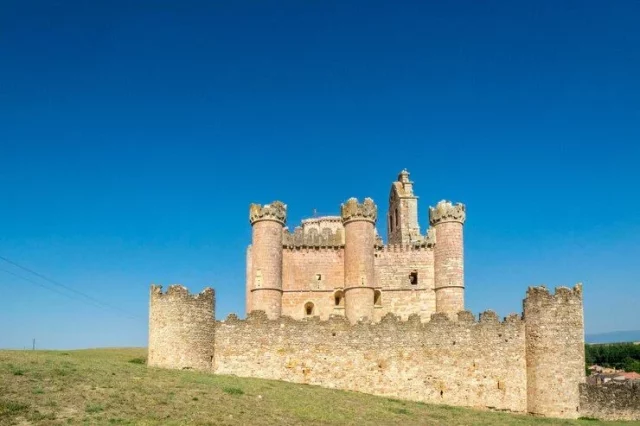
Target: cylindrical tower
554,339
359,227
448,220
181,328
266,251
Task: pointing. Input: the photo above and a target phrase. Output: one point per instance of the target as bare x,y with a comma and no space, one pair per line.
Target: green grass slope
114,386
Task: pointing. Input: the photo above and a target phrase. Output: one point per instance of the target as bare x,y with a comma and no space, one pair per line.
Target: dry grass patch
114,386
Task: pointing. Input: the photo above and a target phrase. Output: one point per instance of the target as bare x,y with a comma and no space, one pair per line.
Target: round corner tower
181,328
554,338
359,228
448,220
267,224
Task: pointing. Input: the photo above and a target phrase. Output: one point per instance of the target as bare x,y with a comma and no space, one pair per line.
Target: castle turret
266,251
448,220
359,227
554,338
181,328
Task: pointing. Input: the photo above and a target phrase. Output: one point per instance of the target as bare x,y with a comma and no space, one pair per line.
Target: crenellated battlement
327,238
413,322
352,210
276,211
541,295
178,291
181,328
445,211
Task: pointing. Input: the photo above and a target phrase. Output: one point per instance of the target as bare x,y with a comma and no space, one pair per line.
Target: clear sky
134,135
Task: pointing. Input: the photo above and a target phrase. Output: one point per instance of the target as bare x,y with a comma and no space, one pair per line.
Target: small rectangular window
413,278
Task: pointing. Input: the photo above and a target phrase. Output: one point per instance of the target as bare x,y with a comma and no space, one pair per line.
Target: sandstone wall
300,272
181,328
249,281
610,401
555,350
300,267
393,267
294,304
467,363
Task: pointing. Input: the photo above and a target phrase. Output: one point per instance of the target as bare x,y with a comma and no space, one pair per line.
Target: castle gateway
329,304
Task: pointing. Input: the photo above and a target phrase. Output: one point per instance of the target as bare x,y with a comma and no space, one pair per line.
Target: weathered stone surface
359,272
445,211
276,211
446,362
555,350
352,210
610,401
181,328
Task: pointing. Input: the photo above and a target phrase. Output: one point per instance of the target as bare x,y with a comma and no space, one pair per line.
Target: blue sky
134,135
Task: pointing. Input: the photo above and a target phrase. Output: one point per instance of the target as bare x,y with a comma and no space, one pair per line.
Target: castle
329,304
338,265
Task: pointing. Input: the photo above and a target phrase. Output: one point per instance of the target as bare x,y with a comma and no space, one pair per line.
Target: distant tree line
622,356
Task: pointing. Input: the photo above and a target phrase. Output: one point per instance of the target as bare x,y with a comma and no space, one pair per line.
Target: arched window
338,298
308,309
377,298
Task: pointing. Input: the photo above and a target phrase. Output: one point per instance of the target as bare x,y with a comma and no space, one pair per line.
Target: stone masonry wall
249,281
181,328
301,267
466,363
293,304
359,270
449,267
393,266
555,350
610,401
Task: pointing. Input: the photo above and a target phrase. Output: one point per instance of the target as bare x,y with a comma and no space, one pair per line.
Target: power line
70,296
35,282
92,300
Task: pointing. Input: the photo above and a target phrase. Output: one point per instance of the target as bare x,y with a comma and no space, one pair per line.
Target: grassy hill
113,386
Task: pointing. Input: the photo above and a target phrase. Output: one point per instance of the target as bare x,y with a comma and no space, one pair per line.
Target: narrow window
308,309
338,298
413,278
377,298
397,215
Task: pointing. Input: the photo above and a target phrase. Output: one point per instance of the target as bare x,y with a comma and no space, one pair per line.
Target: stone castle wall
465,363
311,275
394,265
611,401
533,363
315,274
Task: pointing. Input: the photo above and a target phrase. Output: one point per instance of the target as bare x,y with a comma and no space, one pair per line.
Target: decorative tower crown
352,210
276,211
445,211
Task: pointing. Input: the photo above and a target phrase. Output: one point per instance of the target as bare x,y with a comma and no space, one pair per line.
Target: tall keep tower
402,218
448,220
359,227
267,222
